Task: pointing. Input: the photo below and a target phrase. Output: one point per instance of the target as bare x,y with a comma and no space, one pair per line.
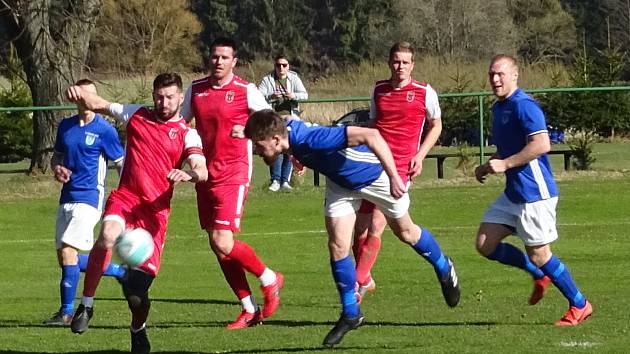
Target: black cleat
59,319
81,319
450,285
140,342
343,326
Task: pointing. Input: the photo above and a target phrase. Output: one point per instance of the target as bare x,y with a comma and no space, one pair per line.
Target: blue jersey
85,151
514,120
325,149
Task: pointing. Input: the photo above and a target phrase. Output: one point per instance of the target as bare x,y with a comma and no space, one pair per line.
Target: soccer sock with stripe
508,254
429,249
70,275
345,277
561,278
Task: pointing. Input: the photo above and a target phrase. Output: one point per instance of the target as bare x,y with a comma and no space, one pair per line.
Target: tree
145,37
51,39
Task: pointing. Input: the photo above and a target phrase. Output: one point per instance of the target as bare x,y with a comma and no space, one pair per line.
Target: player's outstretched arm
373,139
90,100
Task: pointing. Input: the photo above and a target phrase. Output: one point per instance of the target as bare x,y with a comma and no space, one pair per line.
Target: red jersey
399,115
153,149
217,109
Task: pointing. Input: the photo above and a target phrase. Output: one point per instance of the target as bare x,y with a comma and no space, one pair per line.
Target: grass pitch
192,302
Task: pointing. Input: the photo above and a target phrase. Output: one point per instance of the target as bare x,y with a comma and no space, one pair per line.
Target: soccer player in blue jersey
527,206
358,165
84,144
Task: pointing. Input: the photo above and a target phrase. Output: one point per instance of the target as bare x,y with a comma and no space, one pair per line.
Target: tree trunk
52,39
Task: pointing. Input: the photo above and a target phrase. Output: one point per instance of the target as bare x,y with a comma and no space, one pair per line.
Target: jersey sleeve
432,104
255,99
532,117
186,110
123,112
192,144
112,146
314,137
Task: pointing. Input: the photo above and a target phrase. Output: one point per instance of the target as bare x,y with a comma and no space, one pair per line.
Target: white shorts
75,225
535,223
341,201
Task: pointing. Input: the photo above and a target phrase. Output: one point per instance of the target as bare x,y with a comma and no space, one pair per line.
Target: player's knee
108,236
138,301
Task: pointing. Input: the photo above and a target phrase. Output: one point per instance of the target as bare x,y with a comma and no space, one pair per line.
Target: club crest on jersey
172,133
229,96
90,138
410,96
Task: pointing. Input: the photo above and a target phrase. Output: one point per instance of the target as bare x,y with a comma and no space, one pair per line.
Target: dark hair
224,42
280,56
166,80
264,124
401,47
84,82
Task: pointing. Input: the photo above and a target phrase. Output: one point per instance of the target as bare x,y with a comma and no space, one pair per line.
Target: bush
581,143
16,128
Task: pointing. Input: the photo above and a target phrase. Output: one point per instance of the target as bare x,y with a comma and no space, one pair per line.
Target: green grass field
406,314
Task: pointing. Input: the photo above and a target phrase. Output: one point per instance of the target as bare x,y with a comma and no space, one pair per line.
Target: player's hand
62,174
397,187
238,131
415,167
177,176
73,93
480,173
299,168
496,166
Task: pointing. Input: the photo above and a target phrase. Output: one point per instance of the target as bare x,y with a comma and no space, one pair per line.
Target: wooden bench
441,157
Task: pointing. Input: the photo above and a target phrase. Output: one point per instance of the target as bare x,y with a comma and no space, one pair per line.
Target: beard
269,160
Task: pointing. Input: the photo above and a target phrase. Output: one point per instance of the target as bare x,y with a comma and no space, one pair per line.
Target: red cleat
245,320
575,316
271,293
540,287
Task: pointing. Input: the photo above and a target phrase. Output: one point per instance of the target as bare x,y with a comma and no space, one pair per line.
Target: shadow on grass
273,350
177,301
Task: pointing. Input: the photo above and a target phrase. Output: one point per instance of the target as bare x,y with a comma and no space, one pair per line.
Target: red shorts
127,206
221,207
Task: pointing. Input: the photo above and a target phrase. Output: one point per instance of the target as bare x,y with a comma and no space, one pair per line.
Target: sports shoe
450,285
575,316
540,287
81,319
246,319
343,326
140,342
362,290
271,293
59,319
286,186
274,186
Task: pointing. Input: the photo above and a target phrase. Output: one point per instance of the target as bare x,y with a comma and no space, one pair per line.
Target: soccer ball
134,246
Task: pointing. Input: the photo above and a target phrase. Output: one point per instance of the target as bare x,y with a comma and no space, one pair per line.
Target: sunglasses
284,65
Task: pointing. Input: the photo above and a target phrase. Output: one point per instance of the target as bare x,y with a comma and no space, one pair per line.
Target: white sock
249,304
268,277
87,301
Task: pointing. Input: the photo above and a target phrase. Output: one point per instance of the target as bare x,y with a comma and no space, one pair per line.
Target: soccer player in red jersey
399,108
158,142
221,104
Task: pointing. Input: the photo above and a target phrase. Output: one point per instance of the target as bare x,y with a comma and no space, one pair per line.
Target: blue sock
428,248
113,269
345,278
68,287
505,253
561,278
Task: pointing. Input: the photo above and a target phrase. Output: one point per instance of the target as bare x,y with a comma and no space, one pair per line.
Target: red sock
97,263
368,253
247,258
235,277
